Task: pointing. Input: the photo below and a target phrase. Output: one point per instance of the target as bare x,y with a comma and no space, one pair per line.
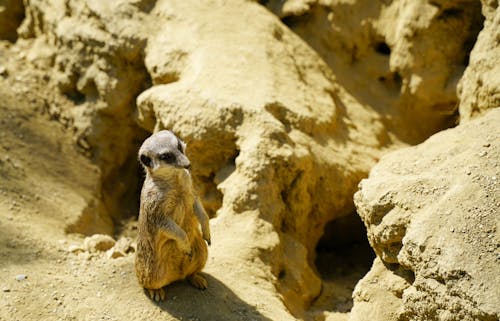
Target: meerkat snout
163,150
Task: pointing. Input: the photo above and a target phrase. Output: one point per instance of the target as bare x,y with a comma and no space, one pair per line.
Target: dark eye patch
167,157
145,160
179,146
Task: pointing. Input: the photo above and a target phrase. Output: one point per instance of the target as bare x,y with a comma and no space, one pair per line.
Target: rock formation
431,213
285,106
478,88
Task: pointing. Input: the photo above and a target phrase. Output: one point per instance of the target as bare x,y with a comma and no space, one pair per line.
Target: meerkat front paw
157,294
198,281
188,253
186,248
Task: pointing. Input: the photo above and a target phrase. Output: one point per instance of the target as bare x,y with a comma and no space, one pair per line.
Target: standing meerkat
170,244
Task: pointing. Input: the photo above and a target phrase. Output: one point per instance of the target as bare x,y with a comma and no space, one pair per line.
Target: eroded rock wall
93,51
284,110
401,58
267,129
479,88
432,211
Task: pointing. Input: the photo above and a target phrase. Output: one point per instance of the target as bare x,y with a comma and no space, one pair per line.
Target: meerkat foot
157,294
198,281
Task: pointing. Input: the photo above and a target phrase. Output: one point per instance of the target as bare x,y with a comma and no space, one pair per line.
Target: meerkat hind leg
198,281
157,294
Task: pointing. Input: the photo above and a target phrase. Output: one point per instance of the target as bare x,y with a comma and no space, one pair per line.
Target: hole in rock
382,48
450,13
75,96
343,257
126,223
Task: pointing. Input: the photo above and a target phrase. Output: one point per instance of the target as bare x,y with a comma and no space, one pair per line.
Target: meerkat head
163,151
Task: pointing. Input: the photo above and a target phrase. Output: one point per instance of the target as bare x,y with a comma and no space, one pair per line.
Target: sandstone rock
268,131
98,243
280,128
114,253
479,88
378,295
403,58
433,210
94,50
125,245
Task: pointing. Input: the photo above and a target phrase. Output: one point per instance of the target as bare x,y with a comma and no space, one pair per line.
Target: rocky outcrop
479,88
431,212
267,127
281,121
93,52
267,131
402,58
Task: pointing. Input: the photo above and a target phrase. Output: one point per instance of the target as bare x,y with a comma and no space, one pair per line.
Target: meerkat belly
172,263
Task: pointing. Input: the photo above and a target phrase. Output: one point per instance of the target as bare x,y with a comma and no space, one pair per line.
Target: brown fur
170,245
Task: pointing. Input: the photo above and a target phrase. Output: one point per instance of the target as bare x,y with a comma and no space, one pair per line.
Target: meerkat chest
178,206
179,201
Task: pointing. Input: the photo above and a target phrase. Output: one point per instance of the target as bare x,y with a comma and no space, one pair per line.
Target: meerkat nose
188,166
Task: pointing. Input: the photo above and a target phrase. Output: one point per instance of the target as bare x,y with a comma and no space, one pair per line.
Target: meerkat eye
167,157
145,160
179,146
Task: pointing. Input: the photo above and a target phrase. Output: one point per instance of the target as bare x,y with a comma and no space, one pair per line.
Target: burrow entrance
343,257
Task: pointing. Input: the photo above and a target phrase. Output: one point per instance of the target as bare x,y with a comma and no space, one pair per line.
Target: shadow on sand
217,303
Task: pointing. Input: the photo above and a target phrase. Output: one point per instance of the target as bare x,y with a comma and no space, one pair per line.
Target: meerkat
170,244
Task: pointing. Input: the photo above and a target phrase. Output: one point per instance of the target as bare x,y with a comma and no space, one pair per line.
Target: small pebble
75,249
98,243
114,253
20,277
6,290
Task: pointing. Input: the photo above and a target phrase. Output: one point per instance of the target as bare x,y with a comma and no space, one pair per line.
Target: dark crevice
469,43
382,48
11,17
75,96
343,257
450,13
